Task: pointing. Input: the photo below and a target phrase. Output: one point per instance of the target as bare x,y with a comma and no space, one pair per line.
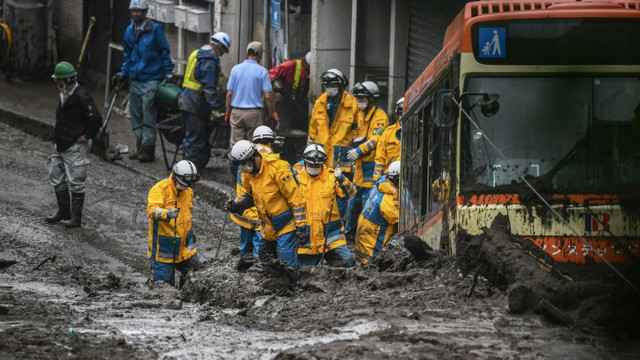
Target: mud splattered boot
136,154
148,153
77,203
64,203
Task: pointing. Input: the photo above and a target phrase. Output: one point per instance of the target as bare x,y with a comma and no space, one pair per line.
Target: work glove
229,205
274,118
353,154
337,173
303,237
119,81
168,76
173,213
277,86
278,144
226,118
216,114
238,207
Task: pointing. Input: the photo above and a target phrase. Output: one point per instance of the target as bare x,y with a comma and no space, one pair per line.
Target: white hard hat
366,89
185,173
307,58
138,5
394,169
399,106
314,154
242,151
263,132
334,76
223,38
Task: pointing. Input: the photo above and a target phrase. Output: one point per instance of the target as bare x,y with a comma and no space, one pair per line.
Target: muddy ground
84,293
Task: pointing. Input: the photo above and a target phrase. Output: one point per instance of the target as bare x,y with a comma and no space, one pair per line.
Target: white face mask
313,171
180,186
362,105
332,91
247,168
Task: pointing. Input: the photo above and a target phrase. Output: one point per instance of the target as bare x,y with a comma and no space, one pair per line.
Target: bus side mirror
446,109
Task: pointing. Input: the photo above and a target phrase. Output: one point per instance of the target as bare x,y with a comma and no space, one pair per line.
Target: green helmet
64,70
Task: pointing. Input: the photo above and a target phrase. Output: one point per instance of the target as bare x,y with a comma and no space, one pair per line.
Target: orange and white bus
531,110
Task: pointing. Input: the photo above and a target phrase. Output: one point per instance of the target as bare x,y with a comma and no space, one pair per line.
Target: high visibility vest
296,79
189,81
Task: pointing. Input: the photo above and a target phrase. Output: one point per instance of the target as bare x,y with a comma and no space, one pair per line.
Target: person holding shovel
77,120
320,188
172,243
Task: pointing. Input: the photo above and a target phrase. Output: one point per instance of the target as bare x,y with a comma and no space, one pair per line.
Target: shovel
101,141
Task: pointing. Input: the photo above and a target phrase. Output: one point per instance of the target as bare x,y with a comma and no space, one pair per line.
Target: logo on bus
492,42
596,222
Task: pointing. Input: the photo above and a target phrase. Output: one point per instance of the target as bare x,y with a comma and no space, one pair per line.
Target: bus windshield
578,133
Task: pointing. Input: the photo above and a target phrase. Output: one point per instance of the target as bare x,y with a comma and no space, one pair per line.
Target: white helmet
307,58
399,106
242,151
334,76
263,132
185,173
138,5
366,89
314,154
394,169
222,38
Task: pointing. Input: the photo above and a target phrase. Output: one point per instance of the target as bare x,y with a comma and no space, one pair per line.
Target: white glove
173,213
337,173
352,154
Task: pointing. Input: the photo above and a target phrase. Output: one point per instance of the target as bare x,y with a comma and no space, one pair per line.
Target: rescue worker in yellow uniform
320,187
379,219
334,121
172,244
372,121
249,222
388,149
272,187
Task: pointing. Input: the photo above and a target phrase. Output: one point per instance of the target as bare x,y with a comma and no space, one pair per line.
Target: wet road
91,297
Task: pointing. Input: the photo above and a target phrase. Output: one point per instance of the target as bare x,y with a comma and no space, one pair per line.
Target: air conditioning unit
165,10
198,20
180,13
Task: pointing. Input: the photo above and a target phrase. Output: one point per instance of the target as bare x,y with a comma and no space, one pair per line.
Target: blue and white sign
275,14
492,42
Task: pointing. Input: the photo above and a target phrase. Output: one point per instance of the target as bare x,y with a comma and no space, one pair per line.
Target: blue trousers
284,248
196,135
340,256
250,241
354,210
143,112
163,271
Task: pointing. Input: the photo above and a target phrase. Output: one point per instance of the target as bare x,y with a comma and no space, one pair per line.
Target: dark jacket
147,54
77,116
206,73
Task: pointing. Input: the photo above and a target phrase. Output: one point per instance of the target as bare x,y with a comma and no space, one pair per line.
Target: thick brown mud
85,293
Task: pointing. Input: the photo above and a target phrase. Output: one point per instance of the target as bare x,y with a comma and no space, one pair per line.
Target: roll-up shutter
427,24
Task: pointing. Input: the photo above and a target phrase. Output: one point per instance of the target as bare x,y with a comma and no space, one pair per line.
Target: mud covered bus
531,111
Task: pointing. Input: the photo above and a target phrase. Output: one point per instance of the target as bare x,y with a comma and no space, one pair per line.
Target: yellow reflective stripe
189,81
296,78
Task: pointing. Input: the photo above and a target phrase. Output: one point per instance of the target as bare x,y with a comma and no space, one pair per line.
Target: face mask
138,19
313,171
247,168
332,92
180,186
362,105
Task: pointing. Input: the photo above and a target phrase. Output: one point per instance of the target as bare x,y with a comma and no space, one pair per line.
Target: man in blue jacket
199,102
147,61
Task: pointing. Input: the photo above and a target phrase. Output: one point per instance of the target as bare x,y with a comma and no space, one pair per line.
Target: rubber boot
77,203
64,203
148,153
135,155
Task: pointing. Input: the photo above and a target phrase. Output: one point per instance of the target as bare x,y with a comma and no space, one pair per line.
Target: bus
531,110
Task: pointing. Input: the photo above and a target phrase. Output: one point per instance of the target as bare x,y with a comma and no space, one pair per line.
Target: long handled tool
92,22
101,143
173,265
333,198
224,223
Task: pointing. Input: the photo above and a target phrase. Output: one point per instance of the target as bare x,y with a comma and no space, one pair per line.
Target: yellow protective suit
276,195
370,126
335,139
320,195
388,150
378,221
163,197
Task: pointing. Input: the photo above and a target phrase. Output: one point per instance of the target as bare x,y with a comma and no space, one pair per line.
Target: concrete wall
399,37
67,20
330,40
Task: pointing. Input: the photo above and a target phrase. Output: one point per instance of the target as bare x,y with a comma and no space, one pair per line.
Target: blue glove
173,213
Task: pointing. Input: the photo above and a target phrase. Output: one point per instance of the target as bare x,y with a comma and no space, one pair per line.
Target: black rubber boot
64,203
77,203
147,154
136,155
